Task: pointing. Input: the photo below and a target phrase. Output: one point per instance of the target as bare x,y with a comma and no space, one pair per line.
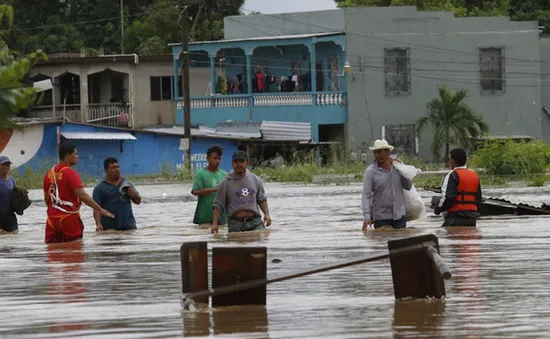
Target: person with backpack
8,220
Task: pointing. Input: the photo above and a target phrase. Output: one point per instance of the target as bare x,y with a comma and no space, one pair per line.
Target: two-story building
114,90
361,74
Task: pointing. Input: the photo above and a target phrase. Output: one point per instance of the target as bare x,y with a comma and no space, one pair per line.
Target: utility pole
184,22
121,26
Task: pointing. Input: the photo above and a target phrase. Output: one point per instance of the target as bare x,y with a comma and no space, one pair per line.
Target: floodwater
128,285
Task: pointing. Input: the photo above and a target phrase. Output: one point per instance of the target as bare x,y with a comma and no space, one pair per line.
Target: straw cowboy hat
381,144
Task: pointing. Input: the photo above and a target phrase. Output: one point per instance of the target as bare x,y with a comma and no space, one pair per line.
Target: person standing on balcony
461,191
8,220
116,195
63,194
239,194
205,186
383,184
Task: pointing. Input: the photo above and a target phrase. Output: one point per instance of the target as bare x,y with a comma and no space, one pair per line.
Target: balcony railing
268,100
72,112
116,114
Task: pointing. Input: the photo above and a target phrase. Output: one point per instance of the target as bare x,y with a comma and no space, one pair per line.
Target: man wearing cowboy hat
383,184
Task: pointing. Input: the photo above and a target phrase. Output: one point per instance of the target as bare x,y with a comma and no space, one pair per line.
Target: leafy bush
508,157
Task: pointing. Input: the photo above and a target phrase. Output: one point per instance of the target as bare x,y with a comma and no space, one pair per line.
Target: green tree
14,97
453,121
149,25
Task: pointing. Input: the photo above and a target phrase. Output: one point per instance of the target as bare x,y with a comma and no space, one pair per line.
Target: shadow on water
250,320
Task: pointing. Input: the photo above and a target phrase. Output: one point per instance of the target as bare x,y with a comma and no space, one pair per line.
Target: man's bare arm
204,191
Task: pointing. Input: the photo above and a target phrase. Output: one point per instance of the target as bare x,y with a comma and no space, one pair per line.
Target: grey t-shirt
383,193
236,193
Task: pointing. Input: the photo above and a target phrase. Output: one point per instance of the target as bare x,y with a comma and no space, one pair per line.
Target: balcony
297,78
106,102
320,108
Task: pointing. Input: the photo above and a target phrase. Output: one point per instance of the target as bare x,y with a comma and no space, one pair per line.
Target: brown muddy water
128,285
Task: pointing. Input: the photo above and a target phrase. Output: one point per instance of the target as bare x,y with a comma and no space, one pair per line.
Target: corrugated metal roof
286,131
273,37
240,129
98,135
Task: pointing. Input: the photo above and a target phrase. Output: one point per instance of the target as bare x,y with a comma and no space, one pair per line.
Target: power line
419,46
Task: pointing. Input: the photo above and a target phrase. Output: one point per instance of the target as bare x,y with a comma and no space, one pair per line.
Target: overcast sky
286,6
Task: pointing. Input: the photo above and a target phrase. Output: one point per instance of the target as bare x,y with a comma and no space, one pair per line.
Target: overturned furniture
239,274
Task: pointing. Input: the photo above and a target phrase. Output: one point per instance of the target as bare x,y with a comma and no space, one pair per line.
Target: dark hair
65,149
108,161
215,149
459,156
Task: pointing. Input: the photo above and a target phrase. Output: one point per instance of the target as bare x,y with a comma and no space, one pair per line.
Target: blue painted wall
146,155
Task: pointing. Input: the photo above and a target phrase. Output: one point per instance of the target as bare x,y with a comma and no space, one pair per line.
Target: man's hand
366,224
214,229
105,213
267,220
132,193
99,228
398,160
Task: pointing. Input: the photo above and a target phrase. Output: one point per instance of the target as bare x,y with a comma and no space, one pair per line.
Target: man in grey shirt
383,200
239,194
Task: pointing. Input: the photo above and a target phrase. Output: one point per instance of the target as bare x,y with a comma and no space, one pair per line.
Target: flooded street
128,285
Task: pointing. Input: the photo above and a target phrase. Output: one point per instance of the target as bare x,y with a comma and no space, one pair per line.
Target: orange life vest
468,184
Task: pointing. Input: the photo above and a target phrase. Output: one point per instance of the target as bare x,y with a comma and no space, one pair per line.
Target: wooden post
194,268
232,266
417,269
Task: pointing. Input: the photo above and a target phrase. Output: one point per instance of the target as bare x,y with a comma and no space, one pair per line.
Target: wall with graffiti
35,147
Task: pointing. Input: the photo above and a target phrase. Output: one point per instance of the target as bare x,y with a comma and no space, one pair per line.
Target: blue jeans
400,223
245,225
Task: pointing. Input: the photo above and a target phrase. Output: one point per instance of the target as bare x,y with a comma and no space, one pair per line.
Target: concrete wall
443,51
136,82
545,86
242,27
149,112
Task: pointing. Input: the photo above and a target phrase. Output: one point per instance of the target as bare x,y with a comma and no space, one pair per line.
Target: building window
397,70
162,88
491,64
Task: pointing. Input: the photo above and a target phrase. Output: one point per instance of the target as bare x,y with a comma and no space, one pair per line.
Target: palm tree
453,120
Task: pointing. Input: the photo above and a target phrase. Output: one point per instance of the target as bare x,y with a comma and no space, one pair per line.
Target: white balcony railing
115,114
268,100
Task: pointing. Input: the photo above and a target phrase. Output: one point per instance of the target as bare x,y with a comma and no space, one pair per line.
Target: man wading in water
239,194
63,194
461,193
205,186
383,184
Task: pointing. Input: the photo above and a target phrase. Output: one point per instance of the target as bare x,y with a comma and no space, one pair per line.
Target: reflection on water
417,318
127,284
65,274
244,320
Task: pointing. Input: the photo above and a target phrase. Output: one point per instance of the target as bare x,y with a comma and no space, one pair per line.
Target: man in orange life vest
461,193
63,194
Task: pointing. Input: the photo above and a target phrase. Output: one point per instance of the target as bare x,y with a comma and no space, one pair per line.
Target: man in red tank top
461,193
63,194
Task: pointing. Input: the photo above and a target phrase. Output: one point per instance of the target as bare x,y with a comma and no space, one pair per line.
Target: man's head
112,168
214,156
240,162
68,154
458,158
5,164
381,150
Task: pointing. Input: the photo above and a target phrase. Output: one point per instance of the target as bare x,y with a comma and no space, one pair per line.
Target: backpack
20,200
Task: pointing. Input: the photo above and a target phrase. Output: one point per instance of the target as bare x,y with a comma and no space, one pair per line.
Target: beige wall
149,112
